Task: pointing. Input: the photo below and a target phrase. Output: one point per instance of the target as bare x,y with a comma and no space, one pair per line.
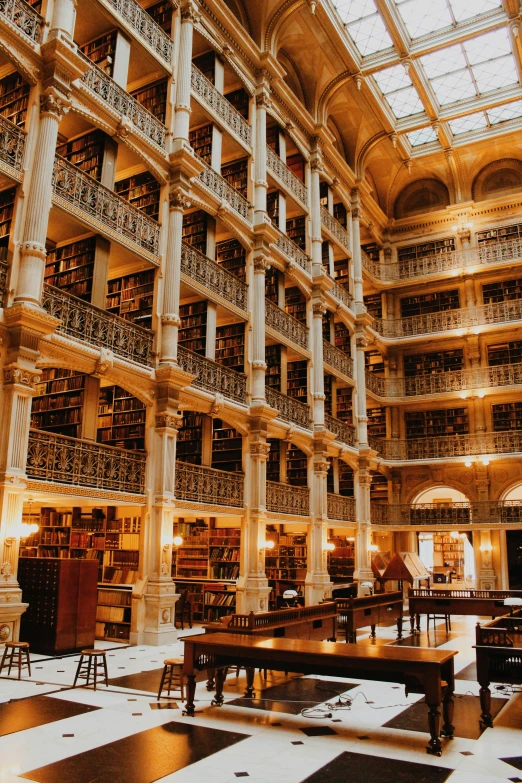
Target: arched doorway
514,541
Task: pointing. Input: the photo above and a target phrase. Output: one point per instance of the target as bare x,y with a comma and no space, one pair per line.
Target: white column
362,419
64,17
356,251
318,310
315,210
189,17
363,480
258,330
172,279
260,183
318,584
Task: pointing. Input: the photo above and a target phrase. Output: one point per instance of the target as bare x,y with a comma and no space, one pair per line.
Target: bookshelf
240,100
190,437
230,346
101,51
236,174
505,353
142,191
330,487
296,164
121,419
433,363
273,366
296,231
218,599
71,267
325,256
121,557
327,322
427,424
346,481
201,142
227,447
272,285
224,545
373,303
297,381
286,564
272,206
195,230
195,547
372,251
340,214
296,466
376,422
342,338
193,330
448,552
272,138
344,410
502,291
328,394
273,463
154,98
58,402
435,302
341,562
378,488
206,63
424,249
7,199
85,152
131,297
113,614
507,416
14,98
341,271
374,362
501,234
162,14
295,303
231,255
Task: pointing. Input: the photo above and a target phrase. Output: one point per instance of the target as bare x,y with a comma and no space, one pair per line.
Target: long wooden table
499,657
369,610
425,671
308,622
483,603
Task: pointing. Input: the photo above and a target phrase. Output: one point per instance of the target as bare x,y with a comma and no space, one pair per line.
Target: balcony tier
483,513
337,232
448,446
292,251
340,507
24,17
337,361
144,27
287,499
197,268
286,325
12,148
443,383
199,484
289,409
285,177
205,91
342,431
220,188
213,377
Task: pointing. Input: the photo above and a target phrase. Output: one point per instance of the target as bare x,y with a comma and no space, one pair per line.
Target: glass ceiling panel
422,17
397,87
509,111
423,136
486,119
364,25
472,122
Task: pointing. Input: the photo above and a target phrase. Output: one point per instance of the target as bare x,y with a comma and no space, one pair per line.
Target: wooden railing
263,620
287,499
213,377
199,484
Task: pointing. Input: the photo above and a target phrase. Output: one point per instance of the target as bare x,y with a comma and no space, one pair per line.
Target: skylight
471,68
422,17
364,25
397,88
486,119
423,136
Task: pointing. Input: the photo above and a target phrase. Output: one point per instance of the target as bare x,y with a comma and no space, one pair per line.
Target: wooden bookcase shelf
296,466
240,100
449,551
236,174
272,206
502,291
162,14
142,191
297,381
342,338
71,267
341,562
412,252
193,330
373,303
273,463
286,564
85,152
190,437
195,230
201,142
14,98
113,614
428,424
206,63
372,251
101,51
58,403
272,138
433,363
341,270
231,255
295,303
344,411
224,545
435,302
505,353
376,422
131,297
501,234
374,362
328,394
507,416
227,447
154,98
346,480
230,346
121,419
340,214
7,198
273,366
272,285
296,231
378,488
296,164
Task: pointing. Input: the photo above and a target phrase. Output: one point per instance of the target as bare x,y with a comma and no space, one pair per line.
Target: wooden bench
499,657
308,622
370,611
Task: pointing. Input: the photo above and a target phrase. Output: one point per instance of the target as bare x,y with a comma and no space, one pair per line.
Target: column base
11,611
252,595
486,580
157,615
317,589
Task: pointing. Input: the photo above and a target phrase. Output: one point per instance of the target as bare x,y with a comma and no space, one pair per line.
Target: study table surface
483,603
427,671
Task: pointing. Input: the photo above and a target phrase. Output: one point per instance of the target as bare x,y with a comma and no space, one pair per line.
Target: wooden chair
17,654
183,607
435,617
172,677
90,662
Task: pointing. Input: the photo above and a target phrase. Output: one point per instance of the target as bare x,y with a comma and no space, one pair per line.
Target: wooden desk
425,671
499,657
369,610
489,603
309,622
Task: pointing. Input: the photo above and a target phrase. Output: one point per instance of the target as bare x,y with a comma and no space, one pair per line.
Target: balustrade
213,377
23,16
220,281
12,143
219,187
342,431
293,251
199,484
144,25
337,359
286,324
289,409
287,499
448,446
342,294
234,121
286,177
336,229
459,514
444,382
340,507
83,463
3,282
87,323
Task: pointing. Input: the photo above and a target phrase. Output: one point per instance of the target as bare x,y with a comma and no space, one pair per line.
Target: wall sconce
455,534
329,546
267,545
373,548
23,530
177,541
477,461
486,548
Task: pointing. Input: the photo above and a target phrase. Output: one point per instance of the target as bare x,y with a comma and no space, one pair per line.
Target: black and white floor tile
50,733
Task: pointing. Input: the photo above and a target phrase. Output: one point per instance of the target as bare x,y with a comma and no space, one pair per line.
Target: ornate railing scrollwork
234,121
481,512
444,382
287,499
80,192
293,251
218,185
84,463
340,507
24,17
289,409
337,359
214,277
199,484
286,324
213,377
83,321
285,176
12,143
101,84
145,26
342,294
3,282
336,229
448,446
343,432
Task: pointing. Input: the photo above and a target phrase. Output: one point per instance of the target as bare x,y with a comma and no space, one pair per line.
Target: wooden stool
94,660
13,652
445,617
172,677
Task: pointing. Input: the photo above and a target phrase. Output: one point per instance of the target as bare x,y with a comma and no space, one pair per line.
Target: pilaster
363,571
189,17
318,584
356,252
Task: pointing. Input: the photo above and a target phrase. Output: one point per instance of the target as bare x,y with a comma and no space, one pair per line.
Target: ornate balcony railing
342,431
12,143
342,294
448,446
145,26
82,195
445,382
339,507
219,187
101,84
286,324
87,323
337,359
23,16
3,282
286,499
289,409
483,512
84,463
213,377
205,90
199,484
213,276
336,229
294,252
483,315
286,177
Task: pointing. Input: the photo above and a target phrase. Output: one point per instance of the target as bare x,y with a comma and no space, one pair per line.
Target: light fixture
177,541
350,538
486,548
329,546
455,534
373,548
468,463
268,545
485,461
28,529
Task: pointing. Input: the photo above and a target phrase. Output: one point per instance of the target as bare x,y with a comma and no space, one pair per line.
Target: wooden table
499,657
488,603
369,610
425,671
308,622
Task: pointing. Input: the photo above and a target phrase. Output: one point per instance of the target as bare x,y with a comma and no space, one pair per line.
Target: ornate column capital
190,12
19,376
169,421
53,105
318,309
261,450
261,264
178,200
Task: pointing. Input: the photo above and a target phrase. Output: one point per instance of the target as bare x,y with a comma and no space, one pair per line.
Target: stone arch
338,139
500,178
421,196
237,8
452,492
292,77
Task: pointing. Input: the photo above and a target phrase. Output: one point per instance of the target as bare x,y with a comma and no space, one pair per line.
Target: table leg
434,746
211,682
249,693
447,713
372,635
218,699
485,705
399,628
191,692
418,623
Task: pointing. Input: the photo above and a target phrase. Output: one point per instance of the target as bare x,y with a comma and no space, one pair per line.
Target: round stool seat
173,661
18,645
93,652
